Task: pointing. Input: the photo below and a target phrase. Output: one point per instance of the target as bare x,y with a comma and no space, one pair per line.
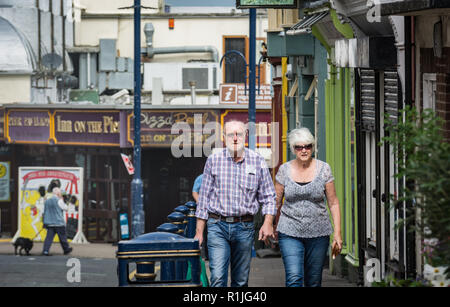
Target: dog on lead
23,244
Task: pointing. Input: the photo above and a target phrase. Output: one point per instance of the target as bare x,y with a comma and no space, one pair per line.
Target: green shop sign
245,4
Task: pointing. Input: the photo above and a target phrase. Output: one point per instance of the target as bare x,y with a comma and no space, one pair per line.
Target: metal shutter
368,99
391,94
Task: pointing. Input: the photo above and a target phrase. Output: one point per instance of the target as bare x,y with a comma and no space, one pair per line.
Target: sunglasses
301,147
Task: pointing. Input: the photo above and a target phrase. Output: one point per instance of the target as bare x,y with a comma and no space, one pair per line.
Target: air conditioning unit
176,76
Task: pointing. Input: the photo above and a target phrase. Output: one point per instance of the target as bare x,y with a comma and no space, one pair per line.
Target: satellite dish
52,61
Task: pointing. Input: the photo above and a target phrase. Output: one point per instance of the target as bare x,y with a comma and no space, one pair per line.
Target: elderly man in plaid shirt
236,181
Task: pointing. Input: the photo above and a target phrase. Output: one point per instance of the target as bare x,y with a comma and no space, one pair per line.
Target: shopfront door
107,194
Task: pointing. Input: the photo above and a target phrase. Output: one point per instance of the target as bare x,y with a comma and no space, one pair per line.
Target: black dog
23,244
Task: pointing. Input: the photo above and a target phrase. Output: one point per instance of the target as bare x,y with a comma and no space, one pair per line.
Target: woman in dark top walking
303,224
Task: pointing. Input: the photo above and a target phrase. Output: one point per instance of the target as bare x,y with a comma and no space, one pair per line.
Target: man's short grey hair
244,125
300,136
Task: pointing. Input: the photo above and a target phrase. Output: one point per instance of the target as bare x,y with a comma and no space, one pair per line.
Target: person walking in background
236,181
196,187
54,222
303,225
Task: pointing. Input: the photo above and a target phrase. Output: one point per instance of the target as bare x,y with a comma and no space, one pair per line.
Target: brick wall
441,67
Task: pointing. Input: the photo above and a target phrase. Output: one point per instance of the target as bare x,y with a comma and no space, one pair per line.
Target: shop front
175,145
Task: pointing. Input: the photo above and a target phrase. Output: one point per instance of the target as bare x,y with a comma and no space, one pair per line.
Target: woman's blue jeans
303,259
229,243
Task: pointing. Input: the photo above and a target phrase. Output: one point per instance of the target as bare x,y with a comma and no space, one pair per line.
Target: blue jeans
303,259
229,243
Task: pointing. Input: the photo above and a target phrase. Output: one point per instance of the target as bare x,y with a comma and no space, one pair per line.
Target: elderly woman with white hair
302,224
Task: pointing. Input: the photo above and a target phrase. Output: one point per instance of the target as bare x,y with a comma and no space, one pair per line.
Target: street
53,271
97,267
123,105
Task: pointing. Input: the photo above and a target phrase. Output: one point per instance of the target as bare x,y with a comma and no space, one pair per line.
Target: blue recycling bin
178,219
158,246
167,268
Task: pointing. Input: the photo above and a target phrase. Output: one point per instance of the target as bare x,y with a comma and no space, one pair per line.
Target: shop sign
157,126
236,93
28,126
263,124
87,127
278,4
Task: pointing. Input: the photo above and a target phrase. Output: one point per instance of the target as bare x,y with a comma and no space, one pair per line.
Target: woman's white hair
300,136
56,191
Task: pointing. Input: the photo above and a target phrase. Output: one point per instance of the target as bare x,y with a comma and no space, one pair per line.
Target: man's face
235,134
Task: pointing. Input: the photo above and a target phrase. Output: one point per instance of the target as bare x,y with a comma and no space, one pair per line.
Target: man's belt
232,219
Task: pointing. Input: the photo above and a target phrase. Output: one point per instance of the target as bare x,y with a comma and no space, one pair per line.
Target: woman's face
303,151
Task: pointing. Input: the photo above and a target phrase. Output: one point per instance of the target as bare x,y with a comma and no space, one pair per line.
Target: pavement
99,267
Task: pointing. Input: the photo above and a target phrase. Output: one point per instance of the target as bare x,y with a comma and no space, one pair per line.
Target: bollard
158,246
167,267
191,219
177,219
182,209
167,227
185,211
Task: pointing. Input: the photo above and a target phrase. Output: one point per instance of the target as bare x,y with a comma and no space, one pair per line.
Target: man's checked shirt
236,188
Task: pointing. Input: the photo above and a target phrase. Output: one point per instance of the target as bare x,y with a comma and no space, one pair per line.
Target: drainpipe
149,30
192,85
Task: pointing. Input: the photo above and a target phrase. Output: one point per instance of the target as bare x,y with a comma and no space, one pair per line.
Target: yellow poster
5,194
35,187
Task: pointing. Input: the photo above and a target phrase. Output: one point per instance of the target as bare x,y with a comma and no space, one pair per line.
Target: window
234,68
429,91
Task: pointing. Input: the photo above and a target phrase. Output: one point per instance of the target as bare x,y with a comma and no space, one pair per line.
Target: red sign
128,165
54,174
263,124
